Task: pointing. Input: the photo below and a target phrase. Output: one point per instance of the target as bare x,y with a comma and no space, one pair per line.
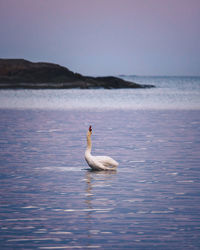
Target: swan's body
98,162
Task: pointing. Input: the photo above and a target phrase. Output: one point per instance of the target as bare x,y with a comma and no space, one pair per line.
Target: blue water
170,93
50,199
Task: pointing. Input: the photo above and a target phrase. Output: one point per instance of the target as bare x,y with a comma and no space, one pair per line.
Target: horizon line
97,75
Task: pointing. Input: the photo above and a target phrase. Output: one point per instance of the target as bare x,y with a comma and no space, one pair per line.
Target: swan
98,162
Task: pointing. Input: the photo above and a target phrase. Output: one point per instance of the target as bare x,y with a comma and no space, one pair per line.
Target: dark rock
20,73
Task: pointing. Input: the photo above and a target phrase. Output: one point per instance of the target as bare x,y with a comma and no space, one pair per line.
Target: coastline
23,74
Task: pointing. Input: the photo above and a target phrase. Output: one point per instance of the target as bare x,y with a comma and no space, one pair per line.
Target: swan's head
89,131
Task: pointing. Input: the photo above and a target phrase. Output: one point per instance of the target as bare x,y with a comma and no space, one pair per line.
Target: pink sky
104,37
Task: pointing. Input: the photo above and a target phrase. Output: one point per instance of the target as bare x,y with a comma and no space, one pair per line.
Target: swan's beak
90,129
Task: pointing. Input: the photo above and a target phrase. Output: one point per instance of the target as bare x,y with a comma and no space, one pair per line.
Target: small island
20,73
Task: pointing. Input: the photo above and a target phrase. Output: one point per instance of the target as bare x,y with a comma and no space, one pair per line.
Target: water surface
178,93
49,199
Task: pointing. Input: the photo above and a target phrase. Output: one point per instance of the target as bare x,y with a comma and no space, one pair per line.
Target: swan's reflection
95,177
94,180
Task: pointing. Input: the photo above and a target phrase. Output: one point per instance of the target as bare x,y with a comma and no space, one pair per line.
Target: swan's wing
107,161
94,163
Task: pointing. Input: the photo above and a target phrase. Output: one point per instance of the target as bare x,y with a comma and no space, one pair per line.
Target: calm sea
49,198
170,93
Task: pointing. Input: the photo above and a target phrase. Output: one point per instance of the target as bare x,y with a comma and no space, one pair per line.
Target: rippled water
170,93
49,198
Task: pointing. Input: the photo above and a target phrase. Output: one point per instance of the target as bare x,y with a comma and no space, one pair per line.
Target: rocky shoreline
20,73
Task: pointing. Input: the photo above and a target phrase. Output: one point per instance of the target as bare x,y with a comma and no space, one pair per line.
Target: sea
181,93
51,199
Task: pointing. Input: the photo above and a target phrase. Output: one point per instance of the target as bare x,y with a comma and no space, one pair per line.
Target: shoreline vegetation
23,74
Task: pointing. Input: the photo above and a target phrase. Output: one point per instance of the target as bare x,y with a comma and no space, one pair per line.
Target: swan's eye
90,128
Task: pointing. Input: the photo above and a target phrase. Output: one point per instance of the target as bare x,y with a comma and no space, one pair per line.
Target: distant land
20,73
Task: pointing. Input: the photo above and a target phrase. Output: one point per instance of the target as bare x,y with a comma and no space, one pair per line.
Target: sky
104,37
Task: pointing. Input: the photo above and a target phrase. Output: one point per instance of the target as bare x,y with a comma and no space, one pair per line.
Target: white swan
98,162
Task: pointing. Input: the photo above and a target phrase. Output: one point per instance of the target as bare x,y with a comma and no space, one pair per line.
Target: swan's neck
89,144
